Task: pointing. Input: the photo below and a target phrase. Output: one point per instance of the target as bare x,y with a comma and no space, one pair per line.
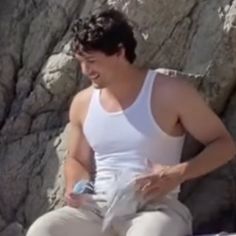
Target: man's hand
161,181
73,199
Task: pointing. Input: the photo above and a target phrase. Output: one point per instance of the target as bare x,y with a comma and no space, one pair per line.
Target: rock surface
38,78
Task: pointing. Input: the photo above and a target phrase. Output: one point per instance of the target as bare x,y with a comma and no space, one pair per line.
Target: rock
46,185
230,116
194,39
2,223
7,74
14,229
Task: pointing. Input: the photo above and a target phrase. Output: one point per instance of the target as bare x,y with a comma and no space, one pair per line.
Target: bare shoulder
82,97
79,105
194,114
175,90
174,84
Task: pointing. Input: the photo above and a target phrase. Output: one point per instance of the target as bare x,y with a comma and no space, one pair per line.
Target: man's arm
78,162
206,127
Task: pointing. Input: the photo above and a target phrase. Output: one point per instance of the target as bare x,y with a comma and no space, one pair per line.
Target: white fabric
167,218
125,140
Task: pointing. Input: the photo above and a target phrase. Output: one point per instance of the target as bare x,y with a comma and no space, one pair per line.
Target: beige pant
169,218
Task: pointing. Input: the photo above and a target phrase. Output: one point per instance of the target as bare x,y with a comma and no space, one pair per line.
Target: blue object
83,186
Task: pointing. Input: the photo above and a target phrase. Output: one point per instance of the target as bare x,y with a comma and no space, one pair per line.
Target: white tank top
125,140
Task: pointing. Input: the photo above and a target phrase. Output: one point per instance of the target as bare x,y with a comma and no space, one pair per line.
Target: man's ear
121,51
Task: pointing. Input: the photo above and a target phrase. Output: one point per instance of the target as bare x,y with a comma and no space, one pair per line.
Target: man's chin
98,86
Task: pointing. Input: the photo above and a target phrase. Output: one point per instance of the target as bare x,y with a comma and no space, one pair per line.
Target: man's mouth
94,78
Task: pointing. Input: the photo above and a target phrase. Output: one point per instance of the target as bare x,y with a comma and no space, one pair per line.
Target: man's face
98,67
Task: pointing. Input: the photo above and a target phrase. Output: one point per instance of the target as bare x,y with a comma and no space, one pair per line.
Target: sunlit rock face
195,40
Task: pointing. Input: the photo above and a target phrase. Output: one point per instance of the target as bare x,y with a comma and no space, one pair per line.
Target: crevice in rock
21,204
54,40
11,98
191,25
169,36
227,102
41,84
18,66
231,2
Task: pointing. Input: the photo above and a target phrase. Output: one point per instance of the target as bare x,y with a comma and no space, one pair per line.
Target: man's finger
75,196
147,178
141,184
73,200
73,203
150,190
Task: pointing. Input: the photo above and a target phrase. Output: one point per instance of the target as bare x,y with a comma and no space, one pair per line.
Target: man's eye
91,61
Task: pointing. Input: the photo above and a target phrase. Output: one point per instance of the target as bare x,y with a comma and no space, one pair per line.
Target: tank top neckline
132,105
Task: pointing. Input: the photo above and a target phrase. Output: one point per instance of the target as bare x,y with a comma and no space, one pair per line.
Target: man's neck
125,83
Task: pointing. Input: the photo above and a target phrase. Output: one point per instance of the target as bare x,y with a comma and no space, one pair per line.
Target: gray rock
14,229
7,73
2,223
230,115
194,39
46,185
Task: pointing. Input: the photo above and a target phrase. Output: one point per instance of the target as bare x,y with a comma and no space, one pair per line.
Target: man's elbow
230,147
233,150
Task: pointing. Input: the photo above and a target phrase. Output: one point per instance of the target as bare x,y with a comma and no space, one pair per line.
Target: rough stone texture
2,223
13,229
230,116
38,79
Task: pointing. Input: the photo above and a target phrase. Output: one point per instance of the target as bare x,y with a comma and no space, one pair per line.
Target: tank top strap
94,103
147,88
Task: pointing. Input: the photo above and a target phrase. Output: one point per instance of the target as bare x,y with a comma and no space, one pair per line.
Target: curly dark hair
106,31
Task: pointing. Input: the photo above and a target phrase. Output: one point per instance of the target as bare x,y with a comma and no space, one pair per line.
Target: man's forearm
213,156
74,172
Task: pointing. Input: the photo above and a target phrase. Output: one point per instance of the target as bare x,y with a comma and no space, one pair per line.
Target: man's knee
158,223
46,225
66,220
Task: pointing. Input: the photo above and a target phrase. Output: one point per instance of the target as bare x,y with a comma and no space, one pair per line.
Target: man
131,120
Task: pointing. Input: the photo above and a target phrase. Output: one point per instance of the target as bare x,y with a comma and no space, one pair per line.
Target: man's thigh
68,221
162,222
